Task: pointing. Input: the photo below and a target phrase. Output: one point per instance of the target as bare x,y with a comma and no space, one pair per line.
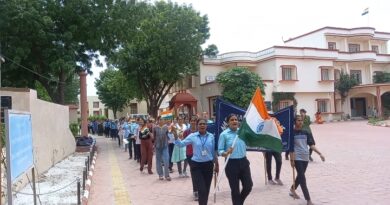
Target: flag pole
293,173
223,169
215,187
265,169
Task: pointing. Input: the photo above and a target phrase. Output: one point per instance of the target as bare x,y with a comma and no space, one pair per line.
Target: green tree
382,77
239,84
211,51
161,46
114,90
344,84
51,38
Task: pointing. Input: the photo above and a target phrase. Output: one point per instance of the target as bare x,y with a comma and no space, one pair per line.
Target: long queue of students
190,145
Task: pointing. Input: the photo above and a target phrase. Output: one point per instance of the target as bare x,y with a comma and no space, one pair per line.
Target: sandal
294,195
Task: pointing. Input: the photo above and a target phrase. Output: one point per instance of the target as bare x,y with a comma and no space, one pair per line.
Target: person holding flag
258,129
237,167
299,158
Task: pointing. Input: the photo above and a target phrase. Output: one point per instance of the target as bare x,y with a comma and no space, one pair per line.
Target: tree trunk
154,111
61,88
153,108
114,111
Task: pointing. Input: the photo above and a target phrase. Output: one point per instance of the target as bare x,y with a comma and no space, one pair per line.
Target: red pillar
83,103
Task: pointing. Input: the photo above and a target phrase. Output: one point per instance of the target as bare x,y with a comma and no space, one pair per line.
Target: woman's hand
216,167
228,151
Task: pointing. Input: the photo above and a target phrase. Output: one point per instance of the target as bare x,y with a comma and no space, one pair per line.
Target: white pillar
369,45
347,68
370,73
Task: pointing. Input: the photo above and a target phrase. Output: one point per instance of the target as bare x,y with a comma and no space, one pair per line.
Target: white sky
254,25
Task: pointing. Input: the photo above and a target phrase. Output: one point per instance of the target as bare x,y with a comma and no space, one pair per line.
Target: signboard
19,143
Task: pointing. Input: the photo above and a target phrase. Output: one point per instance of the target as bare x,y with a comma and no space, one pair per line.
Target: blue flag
286,119
223,109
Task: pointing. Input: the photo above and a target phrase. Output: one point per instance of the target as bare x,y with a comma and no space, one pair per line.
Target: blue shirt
113,125
199,144
133,128
226,140
126,129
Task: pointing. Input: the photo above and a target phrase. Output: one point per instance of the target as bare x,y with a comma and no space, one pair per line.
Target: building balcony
299,53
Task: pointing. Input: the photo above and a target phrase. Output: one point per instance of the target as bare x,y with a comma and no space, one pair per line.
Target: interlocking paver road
356,171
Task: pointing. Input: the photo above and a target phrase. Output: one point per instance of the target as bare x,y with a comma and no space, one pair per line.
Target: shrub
74,128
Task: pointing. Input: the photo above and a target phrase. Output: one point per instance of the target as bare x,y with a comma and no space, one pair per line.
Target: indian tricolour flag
258,129
167,114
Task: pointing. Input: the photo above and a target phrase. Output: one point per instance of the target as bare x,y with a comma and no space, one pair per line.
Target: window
332,45
268,104
357,74
353,48
96,112
289,73
284,104
375,49
189,82
322,105
133,108
210,78
336,74
95,104
212,106
325,74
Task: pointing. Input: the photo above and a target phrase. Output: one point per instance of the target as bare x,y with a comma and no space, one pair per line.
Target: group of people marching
189,144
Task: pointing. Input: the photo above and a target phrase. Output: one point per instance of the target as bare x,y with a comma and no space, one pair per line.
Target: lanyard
203,142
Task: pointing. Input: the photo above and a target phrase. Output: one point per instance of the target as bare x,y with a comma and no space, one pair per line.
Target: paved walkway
356,172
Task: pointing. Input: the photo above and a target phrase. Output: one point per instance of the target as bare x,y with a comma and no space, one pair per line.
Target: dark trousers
301,166
202,172
236,170
114,133
278,160
130,146
107,132
170,149
137,151
132,143
146,154
194,188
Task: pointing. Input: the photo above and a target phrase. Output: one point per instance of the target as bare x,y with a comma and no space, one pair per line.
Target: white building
96,107
308,66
